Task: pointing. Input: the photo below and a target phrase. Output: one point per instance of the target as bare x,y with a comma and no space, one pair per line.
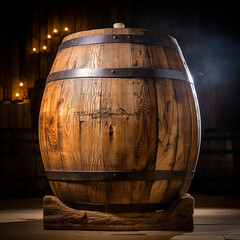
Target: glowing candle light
49,36
34,49
55,30
21,84
66,29
44,47
17,94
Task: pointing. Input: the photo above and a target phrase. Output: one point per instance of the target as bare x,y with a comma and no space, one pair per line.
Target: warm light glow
21,84
49,36
44,47
55,30
34,49
17,95
66,29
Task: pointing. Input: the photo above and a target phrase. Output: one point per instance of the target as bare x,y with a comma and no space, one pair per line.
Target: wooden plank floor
215,218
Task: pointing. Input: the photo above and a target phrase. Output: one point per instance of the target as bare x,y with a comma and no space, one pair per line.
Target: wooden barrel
119,122
218,168
21,168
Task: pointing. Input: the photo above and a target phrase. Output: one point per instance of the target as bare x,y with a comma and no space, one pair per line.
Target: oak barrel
21,168
119,122
218,170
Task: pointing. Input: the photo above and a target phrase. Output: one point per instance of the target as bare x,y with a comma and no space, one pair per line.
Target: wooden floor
215,218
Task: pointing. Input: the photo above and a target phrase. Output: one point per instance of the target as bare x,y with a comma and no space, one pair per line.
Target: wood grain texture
57,215
119,124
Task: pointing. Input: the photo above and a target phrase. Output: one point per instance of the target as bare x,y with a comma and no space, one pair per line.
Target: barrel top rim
130,31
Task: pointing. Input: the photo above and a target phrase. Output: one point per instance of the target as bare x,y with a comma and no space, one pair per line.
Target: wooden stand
179,217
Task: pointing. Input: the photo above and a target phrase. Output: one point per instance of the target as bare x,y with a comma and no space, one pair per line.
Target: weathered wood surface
57,215
119,124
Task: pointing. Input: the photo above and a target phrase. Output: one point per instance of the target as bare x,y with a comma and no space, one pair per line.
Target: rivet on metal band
119,38
76,176
118,73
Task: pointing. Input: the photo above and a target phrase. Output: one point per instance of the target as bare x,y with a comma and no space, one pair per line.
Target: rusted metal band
76,176
116,208
119,38
118,73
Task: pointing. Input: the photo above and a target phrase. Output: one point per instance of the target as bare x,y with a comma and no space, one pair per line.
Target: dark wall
207,32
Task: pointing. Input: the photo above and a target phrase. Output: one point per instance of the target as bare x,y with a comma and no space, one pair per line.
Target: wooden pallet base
179,217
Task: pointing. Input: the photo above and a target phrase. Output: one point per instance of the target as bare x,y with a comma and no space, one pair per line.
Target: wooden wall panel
15,116
14,74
